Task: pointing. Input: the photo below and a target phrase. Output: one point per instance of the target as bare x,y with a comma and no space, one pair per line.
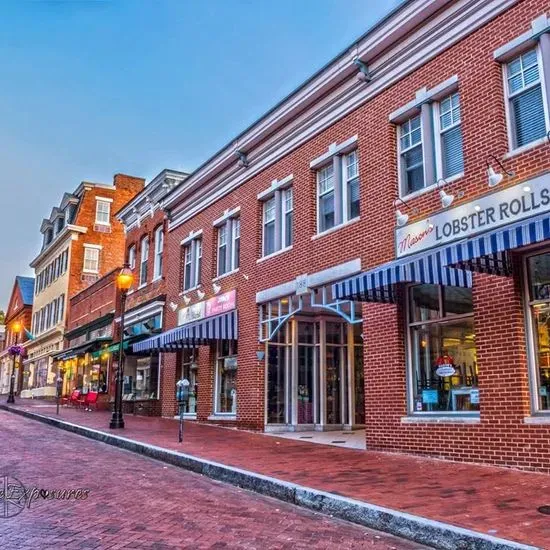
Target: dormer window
48,237
60,224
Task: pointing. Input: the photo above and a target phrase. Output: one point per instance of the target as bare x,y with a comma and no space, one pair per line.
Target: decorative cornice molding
404,42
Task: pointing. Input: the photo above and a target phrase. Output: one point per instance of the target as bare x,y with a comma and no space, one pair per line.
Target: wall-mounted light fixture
187,300
446,199
173,306
201,294
494,178
363,75
400,217
216,288
260,354
243,159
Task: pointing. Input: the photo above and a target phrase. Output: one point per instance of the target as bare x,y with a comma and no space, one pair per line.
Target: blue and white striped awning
377,285
220,327
488,252
148,345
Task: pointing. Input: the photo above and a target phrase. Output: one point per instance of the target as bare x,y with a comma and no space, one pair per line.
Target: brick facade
500,436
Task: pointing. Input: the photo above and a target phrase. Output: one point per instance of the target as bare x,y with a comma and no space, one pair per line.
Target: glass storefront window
442,349
308,359
538,271
188,369
141,375
226,378
359,374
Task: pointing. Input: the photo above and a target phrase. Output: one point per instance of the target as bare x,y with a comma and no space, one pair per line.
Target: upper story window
277,216
451,157
337,182
229,239
144,256
132,256
325,198
159,245
524,88
191,259
429,136
91,259
103,212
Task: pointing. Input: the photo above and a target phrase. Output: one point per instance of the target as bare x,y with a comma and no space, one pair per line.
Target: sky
89,88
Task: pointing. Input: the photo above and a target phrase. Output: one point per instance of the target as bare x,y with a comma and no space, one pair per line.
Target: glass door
306,386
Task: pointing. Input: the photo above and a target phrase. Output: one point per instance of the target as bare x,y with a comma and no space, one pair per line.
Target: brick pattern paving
498,501
135,502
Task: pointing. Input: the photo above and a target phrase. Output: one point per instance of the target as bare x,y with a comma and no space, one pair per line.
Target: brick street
135,502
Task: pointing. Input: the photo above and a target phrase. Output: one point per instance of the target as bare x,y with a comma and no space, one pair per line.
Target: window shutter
528,113
453,158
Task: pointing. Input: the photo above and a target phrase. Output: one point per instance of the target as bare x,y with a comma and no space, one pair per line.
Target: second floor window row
52,271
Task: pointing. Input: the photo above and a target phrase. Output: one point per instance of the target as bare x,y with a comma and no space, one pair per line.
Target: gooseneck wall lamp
446,199
400,217
494,178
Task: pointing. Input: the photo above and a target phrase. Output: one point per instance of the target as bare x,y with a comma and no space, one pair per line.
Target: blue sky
89,88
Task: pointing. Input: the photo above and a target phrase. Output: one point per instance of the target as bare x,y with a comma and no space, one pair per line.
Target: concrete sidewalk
499,503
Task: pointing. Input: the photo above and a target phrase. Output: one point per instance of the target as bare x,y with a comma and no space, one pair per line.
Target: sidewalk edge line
402,524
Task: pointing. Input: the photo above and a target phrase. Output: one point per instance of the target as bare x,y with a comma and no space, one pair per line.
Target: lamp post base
11,399
116,421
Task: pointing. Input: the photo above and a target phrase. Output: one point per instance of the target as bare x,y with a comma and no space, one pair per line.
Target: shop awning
81,349
220,327
488,252
377,285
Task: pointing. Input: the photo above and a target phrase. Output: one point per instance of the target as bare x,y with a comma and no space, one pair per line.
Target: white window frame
143,259
98,211
223,243
235,236
289,191
401,151
132,255
192,249
219,358
227,229
323,193
88,249
269,221
346,179
438,136
512,147
159,249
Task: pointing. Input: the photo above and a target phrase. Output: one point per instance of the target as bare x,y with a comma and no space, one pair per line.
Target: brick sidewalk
496,501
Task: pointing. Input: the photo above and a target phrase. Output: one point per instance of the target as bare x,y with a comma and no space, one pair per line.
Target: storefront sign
213,306
191,313
489,212
445,370
220,304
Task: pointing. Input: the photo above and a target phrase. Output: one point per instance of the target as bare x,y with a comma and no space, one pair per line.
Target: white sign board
489,212
191,313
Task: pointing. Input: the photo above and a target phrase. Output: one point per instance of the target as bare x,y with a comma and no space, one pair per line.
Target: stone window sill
537,419
222,416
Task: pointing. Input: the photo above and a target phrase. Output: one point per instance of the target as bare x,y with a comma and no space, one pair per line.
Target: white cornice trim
282,132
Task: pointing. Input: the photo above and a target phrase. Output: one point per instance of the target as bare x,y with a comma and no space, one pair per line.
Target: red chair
72,399
90,400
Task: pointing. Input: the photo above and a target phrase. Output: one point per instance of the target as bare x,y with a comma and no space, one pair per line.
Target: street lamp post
16,328
124,282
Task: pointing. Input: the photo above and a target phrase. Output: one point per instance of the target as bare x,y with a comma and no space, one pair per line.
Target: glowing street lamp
124,282
14,350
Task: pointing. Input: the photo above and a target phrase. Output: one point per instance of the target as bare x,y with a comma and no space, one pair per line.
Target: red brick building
82,241
144,222
19,312
377,244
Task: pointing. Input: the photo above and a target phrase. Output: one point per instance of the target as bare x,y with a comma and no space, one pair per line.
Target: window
325,194
91,259
159,244
412,157
229,238
103,212
538,273
269,226
226,378
450,137
525,98
61,309
351,184
141,378
188,369
132,257
236,248
442,350
144,251
191,253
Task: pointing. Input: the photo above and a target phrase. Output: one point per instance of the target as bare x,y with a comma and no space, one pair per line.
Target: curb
416,528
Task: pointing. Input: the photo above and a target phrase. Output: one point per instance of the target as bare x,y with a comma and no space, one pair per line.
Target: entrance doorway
315,377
